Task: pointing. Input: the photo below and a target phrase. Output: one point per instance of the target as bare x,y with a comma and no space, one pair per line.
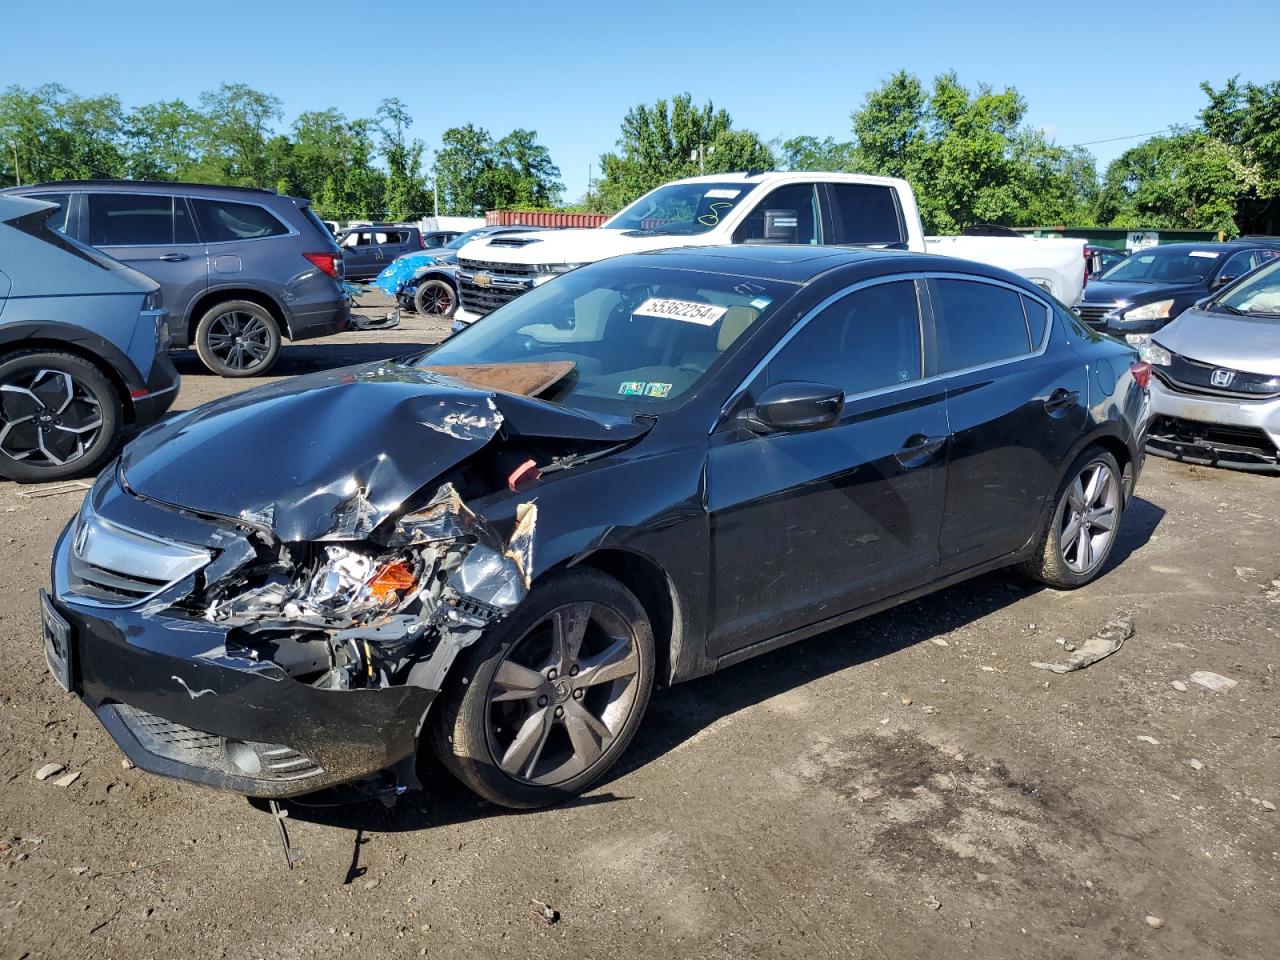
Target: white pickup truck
811,208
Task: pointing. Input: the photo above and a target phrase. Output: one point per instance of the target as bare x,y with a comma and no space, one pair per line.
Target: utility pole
589,184
17,173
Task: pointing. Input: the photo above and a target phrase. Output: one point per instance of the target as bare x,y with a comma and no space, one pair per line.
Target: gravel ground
905,787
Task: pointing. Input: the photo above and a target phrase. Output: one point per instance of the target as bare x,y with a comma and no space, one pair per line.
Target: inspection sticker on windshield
690,311
720,193
1210,254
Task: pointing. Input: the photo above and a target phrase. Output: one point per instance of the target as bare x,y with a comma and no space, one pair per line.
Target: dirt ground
909,786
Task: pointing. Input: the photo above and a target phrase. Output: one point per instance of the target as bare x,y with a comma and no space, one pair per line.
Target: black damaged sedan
640,472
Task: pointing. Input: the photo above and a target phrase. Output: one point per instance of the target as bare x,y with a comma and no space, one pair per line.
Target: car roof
1217,246
141,186
800,264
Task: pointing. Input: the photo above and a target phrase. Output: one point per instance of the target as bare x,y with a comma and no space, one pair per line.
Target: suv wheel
435,298
545,703
1084,524
238,338
60,416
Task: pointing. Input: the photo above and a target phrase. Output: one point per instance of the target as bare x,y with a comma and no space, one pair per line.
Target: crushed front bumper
1214,430
180,707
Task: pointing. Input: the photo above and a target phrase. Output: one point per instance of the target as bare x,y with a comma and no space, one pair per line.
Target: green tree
810,153
1246,118
461,163
237,125
969,156
49,133
525,177
668,141
406,194
161,140
1189,180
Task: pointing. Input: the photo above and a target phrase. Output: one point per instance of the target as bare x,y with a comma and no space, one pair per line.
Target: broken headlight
339,585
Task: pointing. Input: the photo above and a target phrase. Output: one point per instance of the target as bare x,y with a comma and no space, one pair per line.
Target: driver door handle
918,449
174,257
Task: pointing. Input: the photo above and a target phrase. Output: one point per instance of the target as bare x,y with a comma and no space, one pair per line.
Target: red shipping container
543,218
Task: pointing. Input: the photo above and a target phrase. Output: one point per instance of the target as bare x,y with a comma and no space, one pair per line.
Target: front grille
1195,376
182,744
113,566
502,269
90,582
1092,315
506,282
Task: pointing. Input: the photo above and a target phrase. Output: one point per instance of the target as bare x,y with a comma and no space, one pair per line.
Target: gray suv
84,349
239,268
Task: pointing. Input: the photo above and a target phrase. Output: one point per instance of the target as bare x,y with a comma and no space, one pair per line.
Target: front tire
238,338
435,298
1084,525
544,704
60,416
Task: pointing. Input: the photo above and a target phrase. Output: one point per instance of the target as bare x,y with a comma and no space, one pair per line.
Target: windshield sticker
761,302
706,314
712,216
659,390
1212,255
633,388
720,193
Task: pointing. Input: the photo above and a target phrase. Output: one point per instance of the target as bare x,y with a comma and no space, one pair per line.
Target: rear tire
576,703
60,416
1084,525
435,298
238,338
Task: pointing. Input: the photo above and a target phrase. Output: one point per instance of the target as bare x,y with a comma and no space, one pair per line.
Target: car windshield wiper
1226,307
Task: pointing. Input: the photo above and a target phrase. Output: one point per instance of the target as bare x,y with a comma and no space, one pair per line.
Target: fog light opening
244,757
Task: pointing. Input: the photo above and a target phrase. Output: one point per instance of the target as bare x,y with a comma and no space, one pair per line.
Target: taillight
328,262
1141,373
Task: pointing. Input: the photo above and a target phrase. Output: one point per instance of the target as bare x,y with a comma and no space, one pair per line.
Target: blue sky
570,70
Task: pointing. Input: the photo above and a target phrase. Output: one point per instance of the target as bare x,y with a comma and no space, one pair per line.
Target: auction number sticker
706,314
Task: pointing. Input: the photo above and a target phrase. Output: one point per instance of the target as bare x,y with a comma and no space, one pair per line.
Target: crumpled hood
1251,344
331,455
567,246
1111,292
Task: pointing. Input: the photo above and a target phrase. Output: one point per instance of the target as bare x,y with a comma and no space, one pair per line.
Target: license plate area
57,641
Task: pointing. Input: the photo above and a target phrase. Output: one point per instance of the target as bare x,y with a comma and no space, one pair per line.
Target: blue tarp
402,271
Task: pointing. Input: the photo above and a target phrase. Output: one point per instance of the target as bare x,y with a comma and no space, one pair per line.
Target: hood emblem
481,279
1222,377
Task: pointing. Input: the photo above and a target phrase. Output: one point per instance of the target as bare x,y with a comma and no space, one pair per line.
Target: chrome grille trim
113,566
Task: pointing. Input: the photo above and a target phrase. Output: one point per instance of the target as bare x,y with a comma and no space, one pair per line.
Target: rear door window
978,323
130,220
222,221
864,214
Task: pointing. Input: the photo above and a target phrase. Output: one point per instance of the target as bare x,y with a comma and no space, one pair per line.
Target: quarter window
867,340
130,220
864,214
978,323
222,220
796,202
57,218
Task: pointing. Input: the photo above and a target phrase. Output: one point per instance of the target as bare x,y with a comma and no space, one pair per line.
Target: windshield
1258,295
640,339
681,208
1157,265
460,241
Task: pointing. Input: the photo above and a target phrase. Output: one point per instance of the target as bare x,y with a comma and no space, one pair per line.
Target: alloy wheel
48,418
563,693
240,340
1089,519
436,300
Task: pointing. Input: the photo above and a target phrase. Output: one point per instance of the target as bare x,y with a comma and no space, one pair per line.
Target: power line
1132,136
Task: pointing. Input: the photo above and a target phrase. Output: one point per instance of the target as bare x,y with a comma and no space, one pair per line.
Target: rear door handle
1060,401
174,257
918,449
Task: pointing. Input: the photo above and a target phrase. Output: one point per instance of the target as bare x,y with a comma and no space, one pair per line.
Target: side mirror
1222,282
780,226
795,405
